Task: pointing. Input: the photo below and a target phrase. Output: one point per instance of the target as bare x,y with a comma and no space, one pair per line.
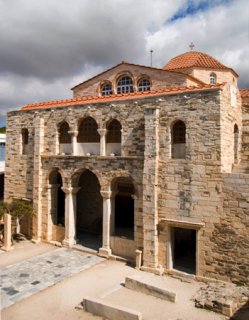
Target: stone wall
245,135
190,193
159,79
229,240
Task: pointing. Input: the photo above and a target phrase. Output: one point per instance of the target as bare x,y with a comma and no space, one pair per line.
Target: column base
68,242
158,271
33,240
105,252
7,248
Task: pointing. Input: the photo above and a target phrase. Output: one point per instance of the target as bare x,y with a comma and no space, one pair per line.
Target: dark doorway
60,203
57,199
89,211
124,211
184,250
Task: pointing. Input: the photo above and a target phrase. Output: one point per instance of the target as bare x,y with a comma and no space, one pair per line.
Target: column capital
53,185
70,190
73,133
106,194
102,132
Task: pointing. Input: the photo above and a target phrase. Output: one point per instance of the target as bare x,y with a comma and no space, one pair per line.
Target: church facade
141,158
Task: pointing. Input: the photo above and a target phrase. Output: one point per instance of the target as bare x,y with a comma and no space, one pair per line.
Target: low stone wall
123,247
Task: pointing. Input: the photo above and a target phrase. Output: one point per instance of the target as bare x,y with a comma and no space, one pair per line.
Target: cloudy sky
48,46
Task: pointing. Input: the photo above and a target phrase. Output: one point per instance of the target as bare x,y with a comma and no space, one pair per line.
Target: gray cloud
47,46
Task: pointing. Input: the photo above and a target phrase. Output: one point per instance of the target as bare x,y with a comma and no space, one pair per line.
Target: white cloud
221,31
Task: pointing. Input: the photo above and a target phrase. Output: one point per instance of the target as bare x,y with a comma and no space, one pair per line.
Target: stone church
141,158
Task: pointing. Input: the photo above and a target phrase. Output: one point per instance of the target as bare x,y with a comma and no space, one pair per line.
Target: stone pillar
150,196
122,142
74,135
70,215
102,133
51,205
105,250
7,232
56,142
37,177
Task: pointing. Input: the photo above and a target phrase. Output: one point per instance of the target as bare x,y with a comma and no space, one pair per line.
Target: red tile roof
244,93
192,59
120,97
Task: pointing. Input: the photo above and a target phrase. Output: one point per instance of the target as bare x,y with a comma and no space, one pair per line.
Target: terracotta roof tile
244,93
119,97
192,59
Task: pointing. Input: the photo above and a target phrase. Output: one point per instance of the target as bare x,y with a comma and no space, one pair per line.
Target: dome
192,59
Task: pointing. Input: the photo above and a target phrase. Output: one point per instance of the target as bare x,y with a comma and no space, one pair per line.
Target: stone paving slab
25,278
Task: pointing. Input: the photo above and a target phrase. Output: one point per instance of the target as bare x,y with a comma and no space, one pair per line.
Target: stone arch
143,86
121,75
89,207
178,139
212,78
56,200
101,87
88,130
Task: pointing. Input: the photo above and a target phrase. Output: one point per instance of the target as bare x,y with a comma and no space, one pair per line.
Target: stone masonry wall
245,135
229,239
159,79
189,191
230,115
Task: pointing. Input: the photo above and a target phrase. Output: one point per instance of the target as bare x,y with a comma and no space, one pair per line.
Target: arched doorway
89,211
57,205
123,217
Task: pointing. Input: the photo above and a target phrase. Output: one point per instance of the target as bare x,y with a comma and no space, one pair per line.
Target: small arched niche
88,138
113,138
64,138
236,142
178,140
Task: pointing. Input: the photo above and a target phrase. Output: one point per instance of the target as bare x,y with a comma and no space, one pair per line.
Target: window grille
114,132
88,131
125,85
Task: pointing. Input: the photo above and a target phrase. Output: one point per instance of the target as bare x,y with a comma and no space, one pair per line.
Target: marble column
7,232
52,208
102,133
105,250
70,215
74,135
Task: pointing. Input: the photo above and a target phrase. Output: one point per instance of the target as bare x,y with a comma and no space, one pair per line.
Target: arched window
88,131
236,142
25,140
143,85
64,136
212,78
178,139
125,85
106,89
113,132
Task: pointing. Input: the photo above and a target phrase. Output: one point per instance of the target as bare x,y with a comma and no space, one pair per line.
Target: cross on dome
191,46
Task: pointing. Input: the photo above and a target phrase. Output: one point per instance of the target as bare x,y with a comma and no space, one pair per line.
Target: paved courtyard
25,278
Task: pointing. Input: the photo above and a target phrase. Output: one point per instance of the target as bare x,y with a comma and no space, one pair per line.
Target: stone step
150,286
109,310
